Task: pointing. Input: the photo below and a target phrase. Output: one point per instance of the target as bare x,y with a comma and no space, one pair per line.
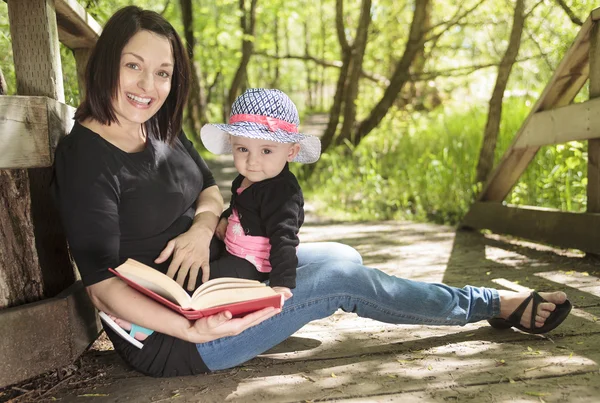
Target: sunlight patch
511,285
506,257
581,281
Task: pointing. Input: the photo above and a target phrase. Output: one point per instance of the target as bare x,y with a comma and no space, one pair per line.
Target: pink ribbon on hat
272,123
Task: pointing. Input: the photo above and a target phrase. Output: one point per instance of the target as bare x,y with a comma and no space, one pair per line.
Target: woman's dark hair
103,68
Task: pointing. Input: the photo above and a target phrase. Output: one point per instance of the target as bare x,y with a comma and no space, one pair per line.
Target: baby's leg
233,266
137,332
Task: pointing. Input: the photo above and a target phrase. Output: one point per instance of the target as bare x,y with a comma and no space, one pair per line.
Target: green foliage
416,164
423,167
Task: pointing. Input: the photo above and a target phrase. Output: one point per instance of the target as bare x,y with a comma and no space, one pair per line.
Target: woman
130,185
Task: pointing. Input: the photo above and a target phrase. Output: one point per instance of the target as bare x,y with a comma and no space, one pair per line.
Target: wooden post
81,58
593,187
38,72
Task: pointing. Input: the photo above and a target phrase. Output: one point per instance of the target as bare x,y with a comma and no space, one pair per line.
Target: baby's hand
287,294
221,228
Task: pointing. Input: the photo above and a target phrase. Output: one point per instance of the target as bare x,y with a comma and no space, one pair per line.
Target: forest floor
345,358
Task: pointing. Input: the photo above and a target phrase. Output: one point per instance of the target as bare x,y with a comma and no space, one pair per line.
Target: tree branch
339,26
376,78
569,12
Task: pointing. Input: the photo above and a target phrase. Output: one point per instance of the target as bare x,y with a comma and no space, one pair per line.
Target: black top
116,205
273,208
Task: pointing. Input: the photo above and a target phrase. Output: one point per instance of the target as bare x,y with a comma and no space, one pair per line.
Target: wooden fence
53,331
553,120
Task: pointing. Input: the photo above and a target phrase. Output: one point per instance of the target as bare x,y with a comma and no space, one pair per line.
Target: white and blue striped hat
262,114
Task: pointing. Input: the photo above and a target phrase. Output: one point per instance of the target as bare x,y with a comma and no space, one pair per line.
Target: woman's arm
114,297
190,250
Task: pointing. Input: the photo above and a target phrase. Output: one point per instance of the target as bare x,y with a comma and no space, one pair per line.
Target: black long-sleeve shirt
116,205
273,208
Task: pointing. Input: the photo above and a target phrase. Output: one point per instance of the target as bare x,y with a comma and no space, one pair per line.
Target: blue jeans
331,276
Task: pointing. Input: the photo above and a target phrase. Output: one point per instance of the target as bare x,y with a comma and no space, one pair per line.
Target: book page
229,282
155,281
230,295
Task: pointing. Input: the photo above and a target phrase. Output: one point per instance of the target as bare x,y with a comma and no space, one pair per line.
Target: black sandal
514,320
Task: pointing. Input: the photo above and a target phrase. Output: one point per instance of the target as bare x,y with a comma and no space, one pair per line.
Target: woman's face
145,77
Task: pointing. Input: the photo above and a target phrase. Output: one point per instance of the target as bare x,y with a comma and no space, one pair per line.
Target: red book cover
236,309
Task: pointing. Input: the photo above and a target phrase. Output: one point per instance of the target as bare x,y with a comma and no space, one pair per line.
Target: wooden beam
569,77
579,121
30,128
596,14
42,336
553,227
76,28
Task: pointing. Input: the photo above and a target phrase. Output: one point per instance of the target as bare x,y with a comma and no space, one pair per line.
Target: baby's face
258,159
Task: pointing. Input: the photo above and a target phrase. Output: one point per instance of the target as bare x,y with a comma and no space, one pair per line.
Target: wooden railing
52,332
553,120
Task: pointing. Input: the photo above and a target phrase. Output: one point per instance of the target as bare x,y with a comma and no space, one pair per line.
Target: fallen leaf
510,380
537,394
333,375
470,335
429,367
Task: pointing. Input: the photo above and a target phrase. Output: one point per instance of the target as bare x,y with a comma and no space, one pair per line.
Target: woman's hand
223,325
221,228
190,252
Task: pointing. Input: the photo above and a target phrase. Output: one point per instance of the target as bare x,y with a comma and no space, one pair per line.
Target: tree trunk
19,284
3,86
276,76
492,127
309,100
321,84
196,102
247,21
338,98
354,73
401,73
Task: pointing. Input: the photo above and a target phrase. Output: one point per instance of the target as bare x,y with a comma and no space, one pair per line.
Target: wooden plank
473,362
76,28
579,121
572,388
30,128
45,335
566,230
569,77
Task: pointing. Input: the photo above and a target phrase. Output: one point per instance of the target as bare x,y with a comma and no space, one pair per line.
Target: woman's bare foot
509,301
127,326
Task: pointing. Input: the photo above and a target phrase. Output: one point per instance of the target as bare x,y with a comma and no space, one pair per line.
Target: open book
236,295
